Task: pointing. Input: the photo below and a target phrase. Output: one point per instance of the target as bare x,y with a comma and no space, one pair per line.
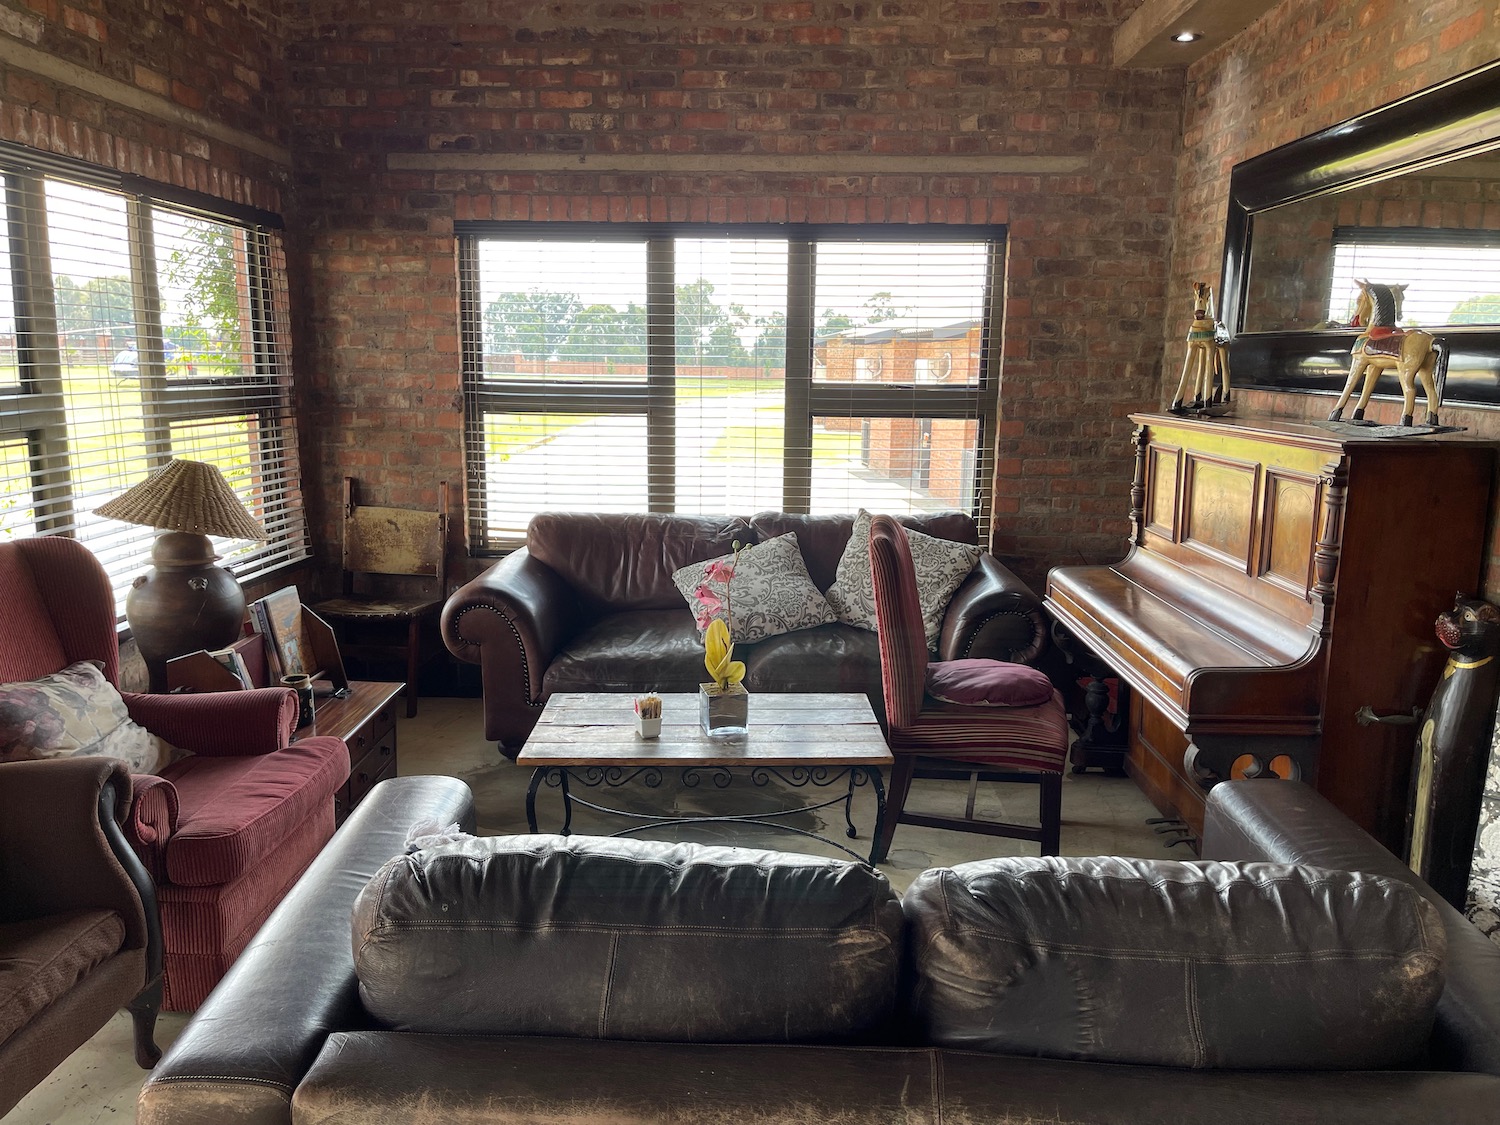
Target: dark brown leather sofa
292,1036
588,605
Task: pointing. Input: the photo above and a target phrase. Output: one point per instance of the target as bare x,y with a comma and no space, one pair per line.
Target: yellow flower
718,653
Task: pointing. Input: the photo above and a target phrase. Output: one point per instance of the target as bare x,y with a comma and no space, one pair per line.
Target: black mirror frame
1456,118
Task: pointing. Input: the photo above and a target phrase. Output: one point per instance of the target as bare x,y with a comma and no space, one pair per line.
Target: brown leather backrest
602,938
1156,962
823,538
622,562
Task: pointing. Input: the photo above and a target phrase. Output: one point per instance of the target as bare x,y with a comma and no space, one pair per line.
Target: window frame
34,408
806,398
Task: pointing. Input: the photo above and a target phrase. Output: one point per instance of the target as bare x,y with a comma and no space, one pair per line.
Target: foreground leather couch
292,1035
588,605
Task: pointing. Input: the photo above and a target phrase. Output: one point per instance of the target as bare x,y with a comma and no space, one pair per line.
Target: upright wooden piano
1280,577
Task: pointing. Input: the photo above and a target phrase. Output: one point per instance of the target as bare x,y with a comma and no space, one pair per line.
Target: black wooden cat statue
1453,750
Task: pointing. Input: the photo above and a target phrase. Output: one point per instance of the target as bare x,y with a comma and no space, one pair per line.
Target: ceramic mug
302,685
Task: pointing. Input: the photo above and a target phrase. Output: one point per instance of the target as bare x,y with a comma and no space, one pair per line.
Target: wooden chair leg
413,663
1051,787
895,801
143,1012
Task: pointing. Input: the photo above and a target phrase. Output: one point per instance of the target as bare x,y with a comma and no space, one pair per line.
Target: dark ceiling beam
1145,39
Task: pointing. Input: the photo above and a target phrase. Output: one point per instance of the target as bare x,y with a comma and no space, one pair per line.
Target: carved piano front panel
1281,576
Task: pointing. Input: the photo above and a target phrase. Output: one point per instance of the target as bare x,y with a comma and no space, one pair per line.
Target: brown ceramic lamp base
183,603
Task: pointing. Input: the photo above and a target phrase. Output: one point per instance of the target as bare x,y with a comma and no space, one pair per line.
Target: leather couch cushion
827,658
1175,964
41,959
626,561
392,1078
235,812
605,938
638,650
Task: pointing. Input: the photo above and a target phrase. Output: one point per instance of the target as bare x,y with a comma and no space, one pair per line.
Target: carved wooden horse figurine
1415,356
1206,357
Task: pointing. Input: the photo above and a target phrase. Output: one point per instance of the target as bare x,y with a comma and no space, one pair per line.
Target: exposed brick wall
377,87
1302,67
218,59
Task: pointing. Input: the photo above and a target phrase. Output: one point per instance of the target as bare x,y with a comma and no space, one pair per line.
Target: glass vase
724,713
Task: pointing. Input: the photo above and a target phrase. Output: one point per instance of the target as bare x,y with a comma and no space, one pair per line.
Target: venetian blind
621,368
134,330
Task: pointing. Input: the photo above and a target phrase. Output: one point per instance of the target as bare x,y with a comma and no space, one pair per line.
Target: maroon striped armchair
932,739
225,831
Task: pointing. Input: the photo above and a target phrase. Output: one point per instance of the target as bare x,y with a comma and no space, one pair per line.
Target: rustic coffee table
799,740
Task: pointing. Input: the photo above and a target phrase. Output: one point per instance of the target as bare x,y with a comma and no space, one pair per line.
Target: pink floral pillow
987,683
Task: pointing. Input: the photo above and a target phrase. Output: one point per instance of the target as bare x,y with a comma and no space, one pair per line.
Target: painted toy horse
1414,355
1207,356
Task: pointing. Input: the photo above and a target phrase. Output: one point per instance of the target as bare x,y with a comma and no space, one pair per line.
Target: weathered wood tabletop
785,729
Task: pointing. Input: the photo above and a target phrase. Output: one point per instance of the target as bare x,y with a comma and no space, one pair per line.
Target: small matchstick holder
648,716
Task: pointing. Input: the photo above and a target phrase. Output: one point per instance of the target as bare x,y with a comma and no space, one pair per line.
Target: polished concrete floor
1101,816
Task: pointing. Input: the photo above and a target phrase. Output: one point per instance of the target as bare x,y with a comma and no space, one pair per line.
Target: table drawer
380,762
378,729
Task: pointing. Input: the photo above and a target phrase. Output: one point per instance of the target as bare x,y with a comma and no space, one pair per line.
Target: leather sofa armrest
220,724
993,615
256,1035
1289,822
60,835
511,620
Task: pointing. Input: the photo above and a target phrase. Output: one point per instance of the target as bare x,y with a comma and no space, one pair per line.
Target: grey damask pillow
941,566
770,593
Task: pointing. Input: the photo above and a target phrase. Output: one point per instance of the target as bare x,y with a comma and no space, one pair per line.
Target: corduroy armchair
224,832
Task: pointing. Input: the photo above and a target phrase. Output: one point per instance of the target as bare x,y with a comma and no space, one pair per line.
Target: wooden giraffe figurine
1415,356
1207,356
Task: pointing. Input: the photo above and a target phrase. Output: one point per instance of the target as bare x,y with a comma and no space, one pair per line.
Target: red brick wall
1304,66
219,59
801,79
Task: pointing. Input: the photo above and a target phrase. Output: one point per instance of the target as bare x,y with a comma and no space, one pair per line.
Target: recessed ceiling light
1187,37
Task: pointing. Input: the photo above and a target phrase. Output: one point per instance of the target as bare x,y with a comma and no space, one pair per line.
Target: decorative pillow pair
769,592
73,713
941,567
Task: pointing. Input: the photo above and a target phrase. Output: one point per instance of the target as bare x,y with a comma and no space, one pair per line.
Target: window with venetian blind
674,368
139,324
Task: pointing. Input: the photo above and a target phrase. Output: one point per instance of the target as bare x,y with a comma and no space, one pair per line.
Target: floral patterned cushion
769,593
72,713
941,567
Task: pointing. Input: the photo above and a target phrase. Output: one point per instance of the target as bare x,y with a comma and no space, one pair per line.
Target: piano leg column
1210,759
1101,737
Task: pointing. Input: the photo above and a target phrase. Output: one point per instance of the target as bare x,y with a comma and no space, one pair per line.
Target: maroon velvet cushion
234,812
987,683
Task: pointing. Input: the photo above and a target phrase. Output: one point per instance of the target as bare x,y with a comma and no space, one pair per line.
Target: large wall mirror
1408,195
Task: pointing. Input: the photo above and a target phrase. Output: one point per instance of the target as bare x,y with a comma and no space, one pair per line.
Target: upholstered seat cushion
41,959
833,657
234,812
636,650
1023,738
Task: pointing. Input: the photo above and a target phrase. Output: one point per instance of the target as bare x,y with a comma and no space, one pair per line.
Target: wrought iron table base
798,777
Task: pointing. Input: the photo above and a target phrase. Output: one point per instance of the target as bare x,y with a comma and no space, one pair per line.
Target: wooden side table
366,720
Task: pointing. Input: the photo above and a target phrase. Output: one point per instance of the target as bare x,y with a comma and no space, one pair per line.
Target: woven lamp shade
186,496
